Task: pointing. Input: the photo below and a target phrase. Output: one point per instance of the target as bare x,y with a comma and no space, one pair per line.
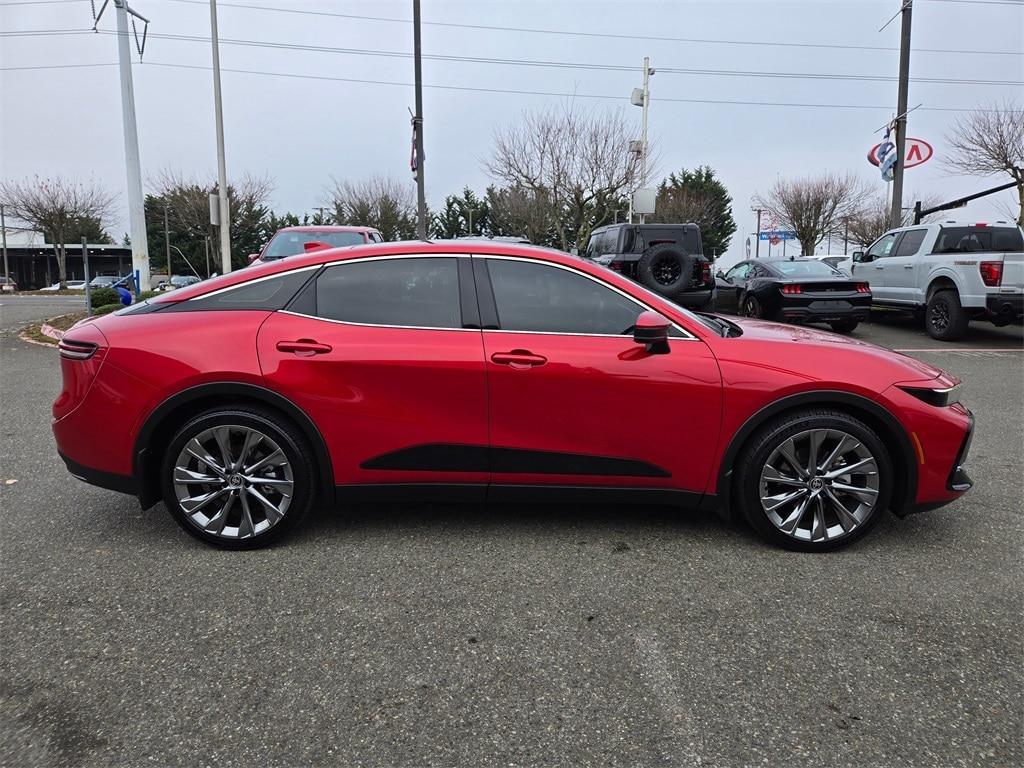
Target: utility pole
136,205
224,214
896,212
417,127
3,239
167,243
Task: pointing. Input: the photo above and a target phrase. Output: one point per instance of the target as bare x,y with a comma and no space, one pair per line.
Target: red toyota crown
486,371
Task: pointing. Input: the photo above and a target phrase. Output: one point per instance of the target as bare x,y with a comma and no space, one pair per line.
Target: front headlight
940,397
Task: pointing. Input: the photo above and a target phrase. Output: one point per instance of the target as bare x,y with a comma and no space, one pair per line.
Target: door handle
304,347
908,266
518,359
879,266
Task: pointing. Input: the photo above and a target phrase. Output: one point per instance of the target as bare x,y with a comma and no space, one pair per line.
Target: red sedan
486,371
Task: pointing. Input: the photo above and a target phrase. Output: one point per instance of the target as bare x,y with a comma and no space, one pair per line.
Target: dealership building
33,263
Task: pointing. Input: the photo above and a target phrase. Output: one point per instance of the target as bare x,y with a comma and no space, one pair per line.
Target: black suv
667,258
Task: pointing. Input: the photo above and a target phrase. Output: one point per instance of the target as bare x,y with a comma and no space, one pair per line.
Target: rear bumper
1008,306
98,477
826,310
695,299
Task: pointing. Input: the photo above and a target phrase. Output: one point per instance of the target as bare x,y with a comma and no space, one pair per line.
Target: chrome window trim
247,283
686,337
375,325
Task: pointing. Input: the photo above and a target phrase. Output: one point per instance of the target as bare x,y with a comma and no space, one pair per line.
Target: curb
48,330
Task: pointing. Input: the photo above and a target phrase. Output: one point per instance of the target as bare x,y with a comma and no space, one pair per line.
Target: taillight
791,289
991,272
72,349
705,272
863,288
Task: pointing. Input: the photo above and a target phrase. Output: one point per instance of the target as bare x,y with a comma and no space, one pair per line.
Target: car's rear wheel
844,326
752,307
814,480
944,318
238,478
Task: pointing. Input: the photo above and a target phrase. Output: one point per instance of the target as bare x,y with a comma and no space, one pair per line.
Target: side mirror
651,330
858,257
253,257
720,275
315,245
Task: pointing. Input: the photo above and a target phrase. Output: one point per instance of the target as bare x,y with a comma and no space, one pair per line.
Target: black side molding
444,457
474,493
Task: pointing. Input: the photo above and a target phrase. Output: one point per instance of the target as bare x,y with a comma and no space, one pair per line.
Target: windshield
289,243
804,268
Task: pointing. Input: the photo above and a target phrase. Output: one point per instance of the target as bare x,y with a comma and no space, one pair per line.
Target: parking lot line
960,349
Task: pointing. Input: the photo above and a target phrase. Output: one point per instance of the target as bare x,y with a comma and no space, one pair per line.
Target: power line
548,64
476,89
982,2
612,35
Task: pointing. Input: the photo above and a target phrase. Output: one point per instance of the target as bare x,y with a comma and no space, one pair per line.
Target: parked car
948,274
176,281
796,291
106,281
667,258
475,371
7,284
294,240
72,285
838,261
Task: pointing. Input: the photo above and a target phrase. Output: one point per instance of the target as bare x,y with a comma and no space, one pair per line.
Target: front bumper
959,480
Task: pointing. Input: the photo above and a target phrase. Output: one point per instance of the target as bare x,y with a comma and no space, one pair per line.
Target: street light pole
643,145
222,174
757,235
3,239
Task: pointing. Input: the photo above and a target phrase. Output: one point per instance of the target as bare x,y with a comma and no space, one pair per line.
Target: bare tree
814,207
989,142
578,160
57,207
380,202
872,220
519,212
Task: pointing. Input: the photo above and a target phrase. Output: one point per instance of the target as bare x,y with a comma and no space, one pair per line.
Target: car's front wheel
238,478
814,480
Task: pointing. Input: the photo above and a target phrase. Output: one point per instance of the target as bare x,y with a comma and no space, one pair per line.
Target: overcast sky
302,131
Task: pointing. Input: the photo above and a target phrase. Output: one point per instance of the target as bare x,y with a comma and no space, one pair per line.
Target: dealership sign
918,151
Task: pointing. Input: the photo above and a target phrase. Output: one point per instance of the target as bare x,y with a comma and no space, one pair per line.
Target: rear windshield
687,238
808,267
969,239
290,243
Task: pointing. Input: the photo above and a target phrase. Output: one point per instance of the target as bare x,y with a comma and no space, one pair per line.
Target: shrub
106,309
103,296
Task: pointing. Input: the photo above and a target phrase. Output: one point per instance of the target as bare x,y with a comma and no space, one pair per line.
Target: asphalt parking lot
478,636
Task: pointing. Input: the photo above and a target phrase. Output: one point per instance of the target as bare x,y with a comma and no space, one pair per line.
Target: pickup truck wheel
944,318
665,269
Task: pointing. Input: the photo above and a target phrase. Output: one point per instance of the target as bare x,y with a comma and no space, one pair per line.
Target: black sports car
797,290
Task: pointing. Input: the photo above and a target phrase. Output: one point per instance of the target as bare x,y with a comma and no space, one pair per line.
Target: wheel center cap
816,484
235,481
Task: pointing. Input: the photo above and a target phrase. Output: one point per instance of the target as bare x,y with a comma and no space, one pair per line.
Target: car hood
808,344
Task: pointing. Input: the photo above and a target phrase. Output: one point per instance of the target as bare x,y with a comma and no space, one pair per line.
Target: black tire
747,490
844,326
944,318
291,443
666,269
752,308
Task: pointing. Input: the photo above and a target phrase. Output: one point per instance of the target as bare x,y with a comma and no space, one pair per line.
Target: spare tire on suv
666,269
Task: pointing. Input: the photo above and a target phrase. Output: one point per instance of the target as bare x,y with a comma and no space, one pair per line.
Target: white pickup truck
948,273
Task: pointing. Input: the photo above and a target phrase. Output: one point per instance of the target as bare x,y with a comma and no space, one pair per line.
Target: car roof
326,228
395,248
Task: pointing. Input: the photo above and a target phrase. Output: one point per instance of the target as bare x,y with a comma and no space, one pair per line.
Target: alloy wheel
233,481
939,316
667,270
819,485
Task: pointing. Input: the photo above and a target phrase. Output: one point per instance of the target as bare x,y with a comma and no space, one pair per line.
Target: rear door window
911,242
406,292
